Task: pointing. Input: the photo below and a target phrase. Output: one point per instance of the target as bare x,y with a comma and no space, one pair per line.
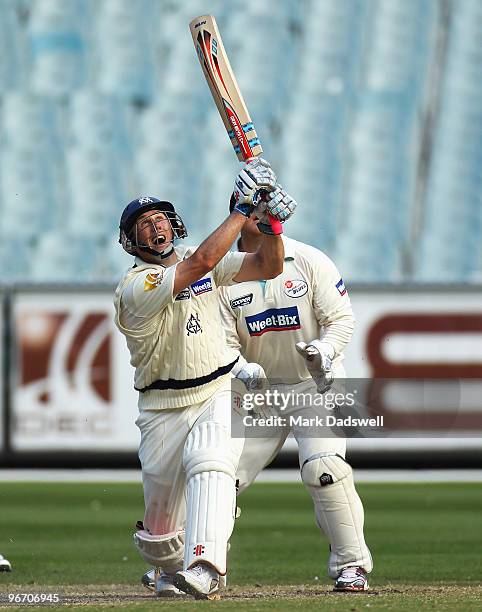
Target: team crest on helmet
145,200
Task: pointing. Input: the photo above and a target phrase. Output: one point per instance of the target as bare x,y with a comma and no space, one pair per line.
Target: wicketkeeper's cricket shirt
308,300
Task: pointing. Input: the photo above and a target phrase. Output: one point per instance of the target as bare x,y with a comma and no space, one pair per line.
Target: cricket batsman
167,307
294,328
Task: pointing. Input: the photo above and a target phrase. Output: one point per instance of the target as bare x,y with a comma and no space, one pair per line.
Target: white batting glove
253,376
256,177
279,205
318,362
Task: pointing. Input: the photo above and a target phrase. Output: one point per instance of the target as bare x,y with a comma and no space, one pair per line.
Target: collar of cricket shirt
289,246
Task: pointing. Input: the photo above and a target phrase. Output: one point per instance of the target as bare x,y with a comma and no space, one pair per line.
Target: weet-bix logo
274,319
202,286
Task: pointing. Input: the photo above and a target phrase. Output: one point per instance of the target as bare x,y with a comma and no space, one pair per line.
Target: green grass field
76,540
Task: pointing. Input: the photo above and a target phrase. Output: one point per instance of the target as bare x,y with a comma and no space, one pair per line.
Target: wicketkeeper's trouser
338,508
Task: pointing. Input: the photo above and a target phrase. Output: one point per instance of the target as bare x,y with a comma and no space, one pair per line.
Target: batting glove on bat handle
255,177
267,223
280,204
318,364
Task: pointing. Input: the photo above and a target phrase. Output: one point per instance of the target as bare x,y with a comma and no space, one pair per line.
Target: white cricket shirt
264,320
177,343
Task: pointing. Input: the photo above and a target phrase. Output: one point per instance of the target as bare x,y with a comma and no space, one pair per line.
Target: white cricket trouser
163,437
338,508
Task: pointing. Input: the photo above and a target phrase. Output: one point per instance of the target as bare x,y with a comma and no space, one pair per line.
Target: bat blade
224,88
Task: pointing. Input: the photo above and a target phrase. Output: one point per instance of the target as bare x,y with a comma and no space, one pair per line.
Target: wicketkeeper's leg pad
165,551
339,510
210,463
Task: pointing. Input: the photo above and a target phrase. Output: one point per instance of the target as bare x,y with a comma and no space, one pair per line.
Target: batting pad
165,551
210,465
339,511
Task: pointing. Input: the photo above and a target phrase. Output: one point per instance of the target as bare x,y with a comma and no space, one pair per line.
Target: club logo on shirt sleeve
340,285
202,286
295,288
152,280
274,319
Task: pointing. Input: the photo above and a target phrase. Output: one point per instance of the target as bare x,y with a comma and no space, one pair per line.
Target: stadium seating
57,43
97,179
450,248
369,111
16,253
29,197
77,258
94,118
12,71
124,48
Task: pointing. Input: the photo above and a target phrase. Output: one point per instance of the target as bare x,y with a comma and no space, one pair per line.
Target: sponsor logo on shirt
183,295
202,286
340,285
244,300
274,319
152,281
295,288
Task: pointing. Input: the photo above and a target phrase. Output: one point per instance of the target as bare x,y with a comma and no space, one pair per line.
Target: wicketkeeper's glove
252,375
280,205
254,378
256,178
318,362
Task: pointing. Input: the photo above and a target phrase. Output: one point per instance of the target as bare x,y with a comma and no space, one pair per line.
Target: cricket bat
224,88
226,93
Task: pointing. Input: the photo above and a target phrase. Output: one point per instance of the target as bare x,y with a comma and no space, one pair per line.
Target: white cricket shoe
5,565
160,582
352,579
201,581
148,580
164,584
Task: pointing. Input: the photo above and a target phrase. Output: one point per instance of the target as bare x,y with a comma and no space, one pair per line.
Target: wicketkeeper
294,328
167,306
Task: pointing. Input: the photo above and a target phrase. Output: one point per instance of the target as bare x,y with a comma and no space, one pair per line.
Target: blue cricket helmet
136,208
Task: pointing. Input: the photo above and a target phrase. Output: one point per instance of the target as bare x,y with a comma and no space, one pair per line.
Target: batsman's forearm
217,244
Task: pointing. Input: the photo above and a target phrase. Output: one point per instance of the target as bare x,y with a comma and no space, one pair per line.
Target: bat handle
275,225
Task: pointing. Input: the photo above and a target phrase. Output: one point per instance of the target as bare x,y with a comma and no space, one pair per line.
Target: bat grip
275,225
